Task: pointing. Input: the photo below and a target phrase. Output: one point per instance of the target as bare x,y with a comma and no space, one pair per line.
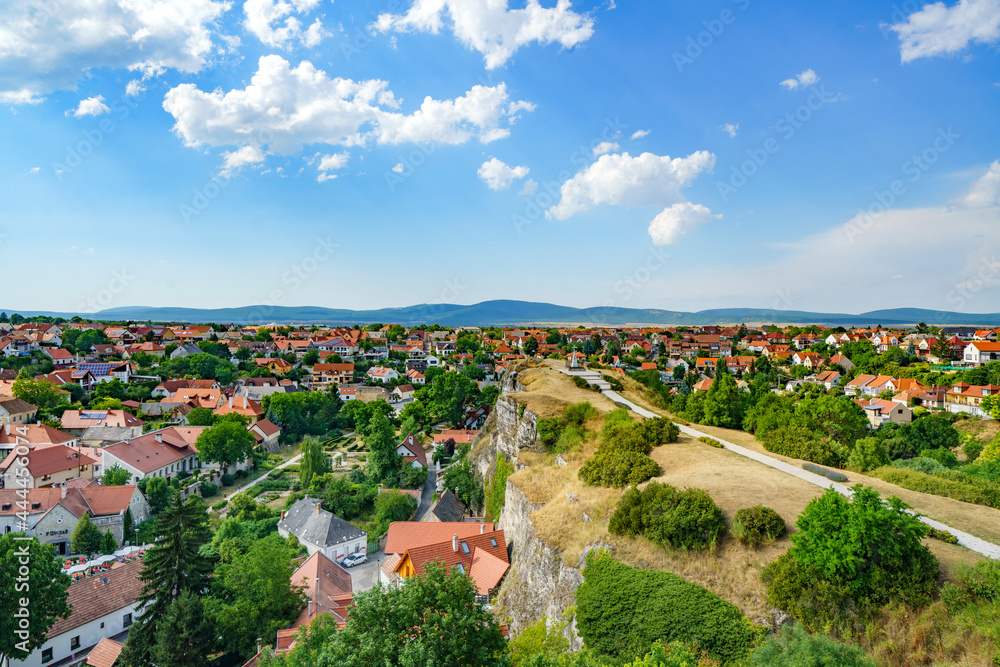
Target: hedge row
831,475
621,611
947,483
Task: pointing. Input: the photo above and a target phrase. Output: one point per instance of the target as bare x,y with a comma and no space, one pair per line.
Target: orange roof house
482,557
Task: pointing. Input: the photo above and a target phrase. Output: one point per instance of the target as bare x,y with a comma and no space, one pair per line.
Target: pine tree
184,637
128,527
86,538
172,566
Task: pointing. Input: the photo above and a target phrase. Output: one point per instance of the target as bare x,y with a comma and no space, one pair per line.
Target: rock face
509,429
538,585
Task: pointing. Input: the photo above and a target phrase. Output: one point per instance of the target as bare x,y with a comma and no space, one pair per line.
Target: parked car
354,559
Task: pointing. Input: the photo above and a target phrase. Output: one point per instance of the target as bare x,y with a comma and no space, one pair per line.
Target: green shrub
794,647
548,430
243,474
228,480
922,464
580,382
948,483
813,468
687,519
942,455
622,611
711,441
272,485
972,447
942,535
798,442
835,476
617,468
208,489
579,413
219,505
757,525
868,454
848,559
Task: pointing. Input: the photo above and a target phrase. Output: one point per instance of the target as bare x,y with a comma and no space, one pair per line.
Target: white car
354,559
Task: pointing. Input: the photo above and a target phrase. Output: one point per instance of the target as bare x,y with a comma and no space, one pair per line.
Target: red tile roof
105,653
405,535
100,595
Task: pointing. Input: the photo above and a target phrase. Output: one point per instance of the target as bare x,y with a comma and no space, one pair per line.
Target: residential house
38,435
460,436
276,365
412,452
963,397
266,433
322,531
252,410
404,392
447,509
415,377
978,352
103,607
881,411
483,558
842,361
382,374
828,379
161,453
45,465
60,357
185,350
405,535
108,371
16,411
78,421
323,375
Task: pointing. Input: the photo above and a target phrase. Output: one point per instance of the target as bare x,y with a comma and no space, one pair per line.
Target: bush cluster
228,480
757,525
711,441
621,611
831,475
208,489
622,457
948,483
687,519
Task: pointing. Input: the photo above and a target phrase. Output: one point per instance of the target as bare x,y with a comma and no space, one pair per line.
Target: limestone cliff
538,584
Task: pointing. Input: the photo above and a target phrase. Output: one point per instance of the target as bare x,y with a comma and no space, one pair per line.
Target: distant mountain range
522,312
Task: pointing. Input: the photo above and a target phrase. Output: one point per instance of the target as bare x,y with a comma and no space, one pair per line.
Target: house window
465,547
47,655
493,543
461,568
74,643
126,620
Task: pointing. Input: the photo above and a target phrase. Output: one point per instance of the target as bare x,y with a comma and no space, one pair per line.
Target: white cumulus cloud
398,168
605,147
985,192
644,180
937,29
639,134
530,187
499,175
284,108
274,23
92,106
623,180
233,161
134,88
46,46
491,28
806,78
730,128
676,221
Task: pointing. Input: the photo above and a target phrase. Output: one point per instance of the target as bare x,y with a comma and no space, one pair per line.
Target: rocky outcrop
538,585
509,429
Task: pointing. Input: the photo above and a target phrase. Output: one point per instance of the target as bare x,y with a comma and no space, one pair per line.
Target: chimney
319,507
454,542
63,490
230,402
482,528
258,644
158,437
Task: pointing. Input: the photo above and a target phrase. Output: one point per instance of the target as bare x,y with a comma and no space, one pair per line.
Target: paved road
426,499
965,539
365,576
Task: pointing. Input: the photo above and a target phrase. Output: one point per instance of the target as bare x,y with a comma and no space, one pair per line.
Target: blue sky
680,155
